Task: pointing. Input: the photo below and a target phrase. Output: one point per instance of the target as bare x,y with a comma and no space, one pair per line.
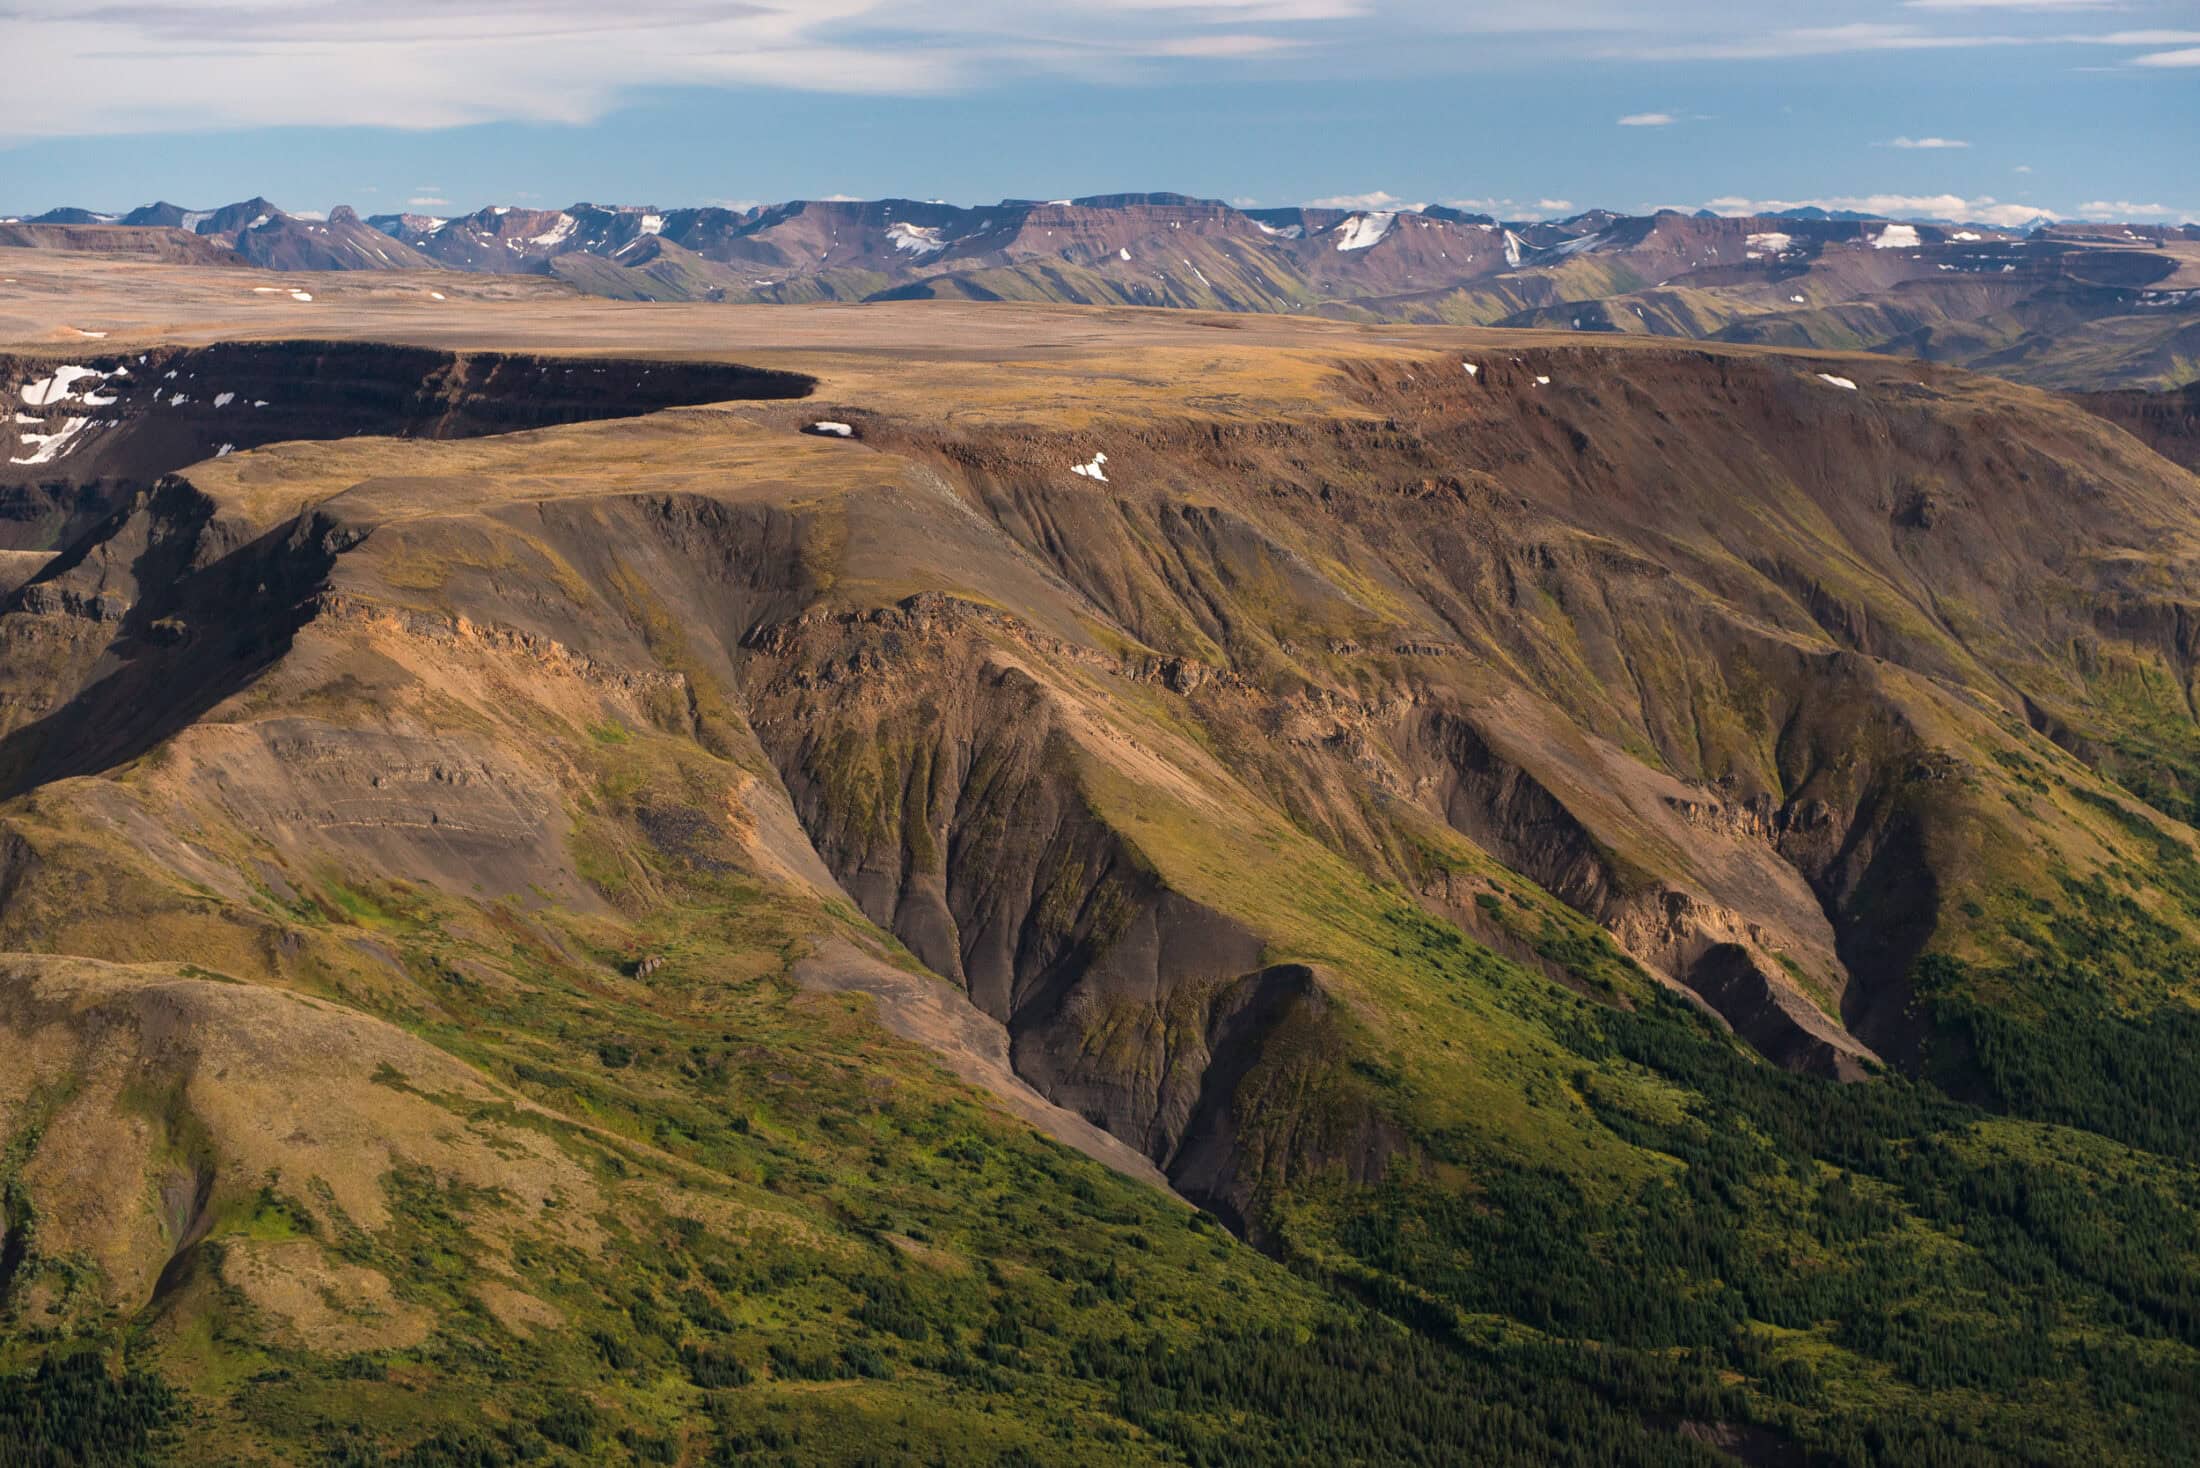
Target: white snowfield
1092,470
224,399
917,239
1363,230
1896,237
557,233
301,295
47,391
1771,241
1840,382
51,446
653,224
1474,369
832,429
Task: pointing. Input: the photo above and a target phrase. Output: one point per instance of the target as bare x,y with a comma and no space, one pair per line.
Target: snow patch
1092,470
223,400
557,233
1771,241
653,224
1363,230
1967,236
833,430
1841,382
1543,382
1896,237
301,295
1473,369
51,446
225,451
1125,252
438,295
917,239
47,391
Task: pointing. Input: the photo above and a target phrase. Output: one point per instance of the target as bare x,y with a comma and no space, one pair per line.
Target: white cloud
194,65
2170,58
2023,168
1224,46
1981,210
1511,208
1647,119
1928,143
2123,209
1820,41
2022,5
2137,38
1373,199
427,201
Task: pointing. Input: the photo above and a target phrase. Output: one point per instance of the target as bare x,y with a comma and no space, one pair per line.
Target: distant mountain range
2073,305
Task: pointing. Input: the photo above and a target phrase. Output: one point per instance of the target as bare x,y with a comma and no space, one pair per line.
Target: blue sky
1980,109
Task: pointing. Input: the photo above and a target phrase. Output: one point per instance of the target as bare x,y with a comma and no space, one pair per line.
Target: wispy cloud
2121,210
1372,199
1804,41
1512,208
1982,210
1929,143
2136,38
2014,5
173,65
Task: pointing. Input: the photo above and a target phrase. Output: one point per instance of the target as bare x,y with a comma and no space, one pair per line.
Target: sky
1989,110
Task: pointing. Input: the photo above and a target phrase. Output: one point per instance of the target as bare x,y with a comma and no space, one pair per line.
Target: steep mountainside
1650,888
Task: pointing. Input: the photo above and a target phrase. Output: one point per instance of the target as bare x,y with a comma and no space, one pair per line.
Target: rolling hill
1171,887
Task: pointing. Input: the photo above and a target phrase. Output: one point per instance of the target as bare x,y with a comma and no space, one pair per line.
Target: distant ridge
2070,304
